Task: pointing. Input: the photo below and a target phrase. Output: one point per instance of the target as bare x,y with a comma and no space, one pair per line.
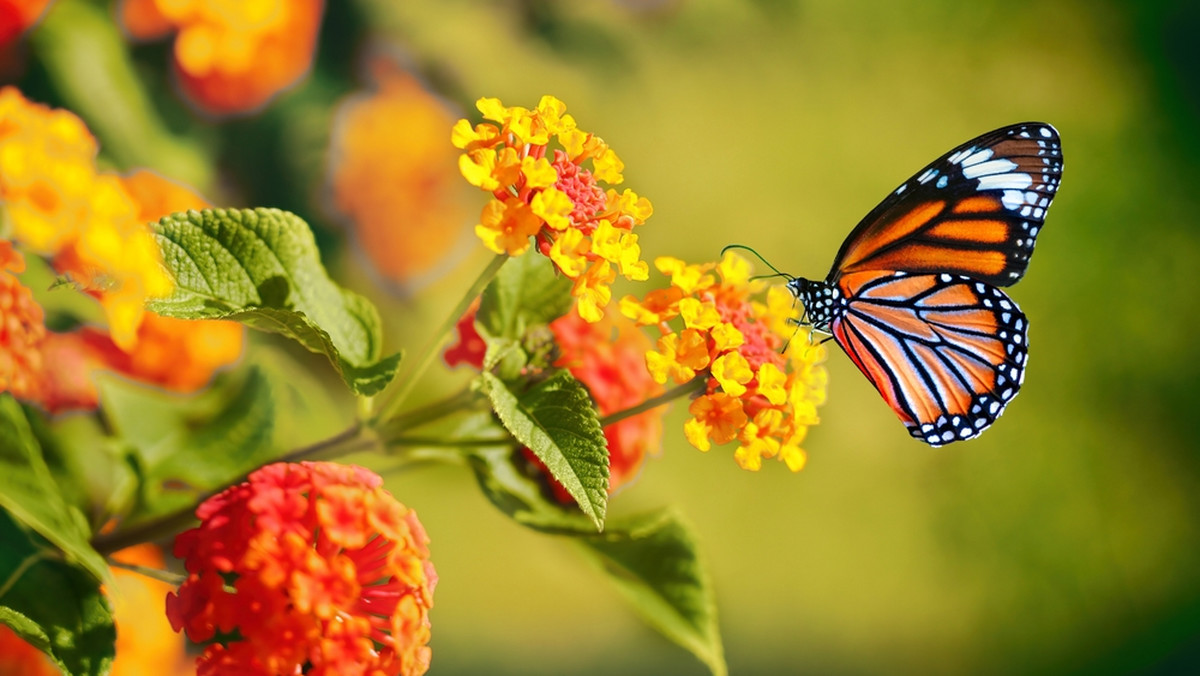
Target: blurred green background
1066,539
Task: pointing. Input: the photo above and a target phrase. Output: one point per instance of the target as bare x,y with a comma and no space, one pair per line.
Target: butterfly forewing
947,352
975,211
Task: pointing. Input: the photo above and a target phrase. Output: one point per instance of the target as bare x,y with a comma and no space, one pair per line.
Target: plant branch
351,440
694,385
412,376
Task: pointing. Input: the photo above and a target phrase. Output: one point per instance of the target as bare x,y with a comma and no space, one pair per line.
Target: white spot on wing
977,158
1014,182
1000,166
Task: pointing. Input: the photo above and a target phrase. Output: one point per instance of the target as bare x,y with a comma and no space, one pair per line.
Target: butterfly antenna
759,257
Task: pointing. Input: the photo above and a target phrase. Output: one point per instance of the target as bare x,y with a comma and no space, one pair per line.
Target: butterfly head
822,302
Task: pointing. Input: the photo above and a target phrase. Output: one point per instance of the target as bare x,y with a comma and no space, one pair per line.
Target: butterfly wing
975,211
947,352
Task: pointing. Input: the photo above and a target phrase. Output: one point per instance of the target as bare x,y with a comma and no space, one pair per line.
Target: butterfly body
913,298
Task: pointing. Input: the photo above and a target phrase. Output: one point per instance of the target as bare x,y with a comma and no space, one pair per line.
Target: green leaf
653,561
556,419
54,605
188,446
28,492
522,497
262,267
527,291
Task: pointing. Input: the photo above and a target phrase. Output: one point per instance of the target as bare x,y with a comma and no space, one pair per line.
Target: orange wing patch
991,232
884,235
977,204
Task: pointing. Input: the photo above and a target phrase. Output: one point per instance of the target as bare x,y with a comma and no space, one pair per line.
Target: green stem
694,385
350,440
434,349
427,414
439,442
173,579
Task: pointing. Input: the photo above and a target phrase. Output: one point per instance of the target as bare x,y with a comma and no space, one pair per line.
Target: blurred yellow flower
755,394
58,206
93,228
547,194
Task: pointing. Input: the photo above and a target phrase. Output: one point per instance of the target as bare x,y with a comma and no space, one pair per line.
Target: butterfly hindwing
975,211
946,351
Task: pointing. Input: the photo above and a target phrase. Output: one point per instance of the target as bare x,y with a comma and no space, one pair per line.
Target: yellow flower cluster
763,398
548,195
58,205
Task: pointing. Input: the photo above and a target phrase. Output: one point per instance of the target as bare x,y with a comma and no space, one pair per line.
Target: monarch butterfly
912,296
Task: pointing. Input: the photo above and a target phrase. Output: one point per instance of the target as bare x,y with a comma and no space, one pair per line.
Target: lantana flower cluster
550,195
92,228
756,392
306,568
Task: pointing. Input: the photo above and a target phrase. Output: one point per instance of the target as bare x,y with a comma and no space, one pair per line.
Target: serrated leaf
556,419
653,561
521,497
28,492
527,291
261,267
54,605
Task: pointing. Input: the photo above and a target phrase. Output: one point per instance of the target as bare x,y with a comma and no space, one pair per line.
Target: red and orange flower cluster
306,568
755,394
549,195
231,56
91,227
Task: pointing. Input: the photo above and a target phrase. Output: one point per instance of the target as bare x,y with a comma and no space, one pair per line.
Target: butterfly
913,295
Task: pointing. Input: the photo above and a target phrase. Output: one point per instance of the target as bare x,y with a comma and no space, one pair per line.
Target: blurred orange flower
231,56
146,644
393,181
756,394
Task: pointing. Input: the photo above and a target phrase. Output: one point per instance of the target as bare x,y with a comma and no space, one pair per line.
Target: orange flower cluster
92,226
761,397
392,179
231,56
306,568
18,15
552,197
